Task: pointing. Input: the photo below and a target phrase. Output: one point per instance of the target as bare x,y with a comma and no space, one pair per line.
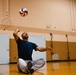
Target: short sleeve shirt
25,49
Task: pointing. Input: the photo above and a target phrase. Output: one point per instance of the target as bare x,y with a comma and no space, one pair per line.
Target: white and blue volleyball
23,12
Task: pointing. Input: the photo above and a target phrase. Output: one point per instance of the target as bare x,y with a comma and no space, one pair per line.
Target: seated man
25,63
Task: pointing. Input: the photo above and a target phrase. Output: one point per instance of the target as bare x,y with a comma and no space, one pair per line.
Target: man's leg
22,66
37,64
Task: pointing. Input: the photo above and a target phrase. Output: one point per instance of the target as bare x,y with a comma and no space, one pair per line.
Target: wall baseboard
13,63
50,61
60,60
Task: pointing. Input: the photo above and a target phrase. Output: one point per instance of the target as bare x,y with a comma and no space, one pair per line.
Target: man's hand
50,49
16,31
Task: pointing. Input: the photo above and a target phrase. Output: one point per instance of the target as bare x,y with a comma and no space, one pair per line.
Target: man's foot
31,71
29,66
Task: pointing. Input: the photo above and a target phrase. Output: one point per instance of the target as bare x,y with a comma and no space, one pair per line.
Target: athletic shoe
29,66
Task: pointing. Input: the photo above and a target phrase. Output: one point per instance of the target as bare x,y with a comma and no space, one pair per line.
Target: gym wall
44,17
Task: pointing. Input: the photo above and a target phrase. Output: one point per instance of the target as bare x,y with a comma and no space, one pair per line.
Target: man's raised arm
15,34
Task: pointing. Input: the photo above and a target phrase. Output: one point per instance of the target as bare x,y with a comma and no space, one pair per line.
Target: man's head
25,36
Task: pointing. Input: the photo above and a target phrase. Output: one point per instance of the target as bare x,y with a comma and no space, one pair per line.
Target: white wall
57,14
43,14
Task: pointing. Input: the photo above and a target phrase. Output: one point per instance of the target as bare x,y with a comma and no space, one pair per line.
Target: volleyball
23,12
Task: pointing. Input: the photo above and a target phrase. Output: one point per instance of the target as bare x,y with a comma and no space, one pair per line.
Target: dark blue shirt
25,49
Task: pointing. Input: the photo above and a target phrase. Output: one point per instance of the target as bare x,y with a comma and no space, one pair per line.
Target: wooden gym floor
50,68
